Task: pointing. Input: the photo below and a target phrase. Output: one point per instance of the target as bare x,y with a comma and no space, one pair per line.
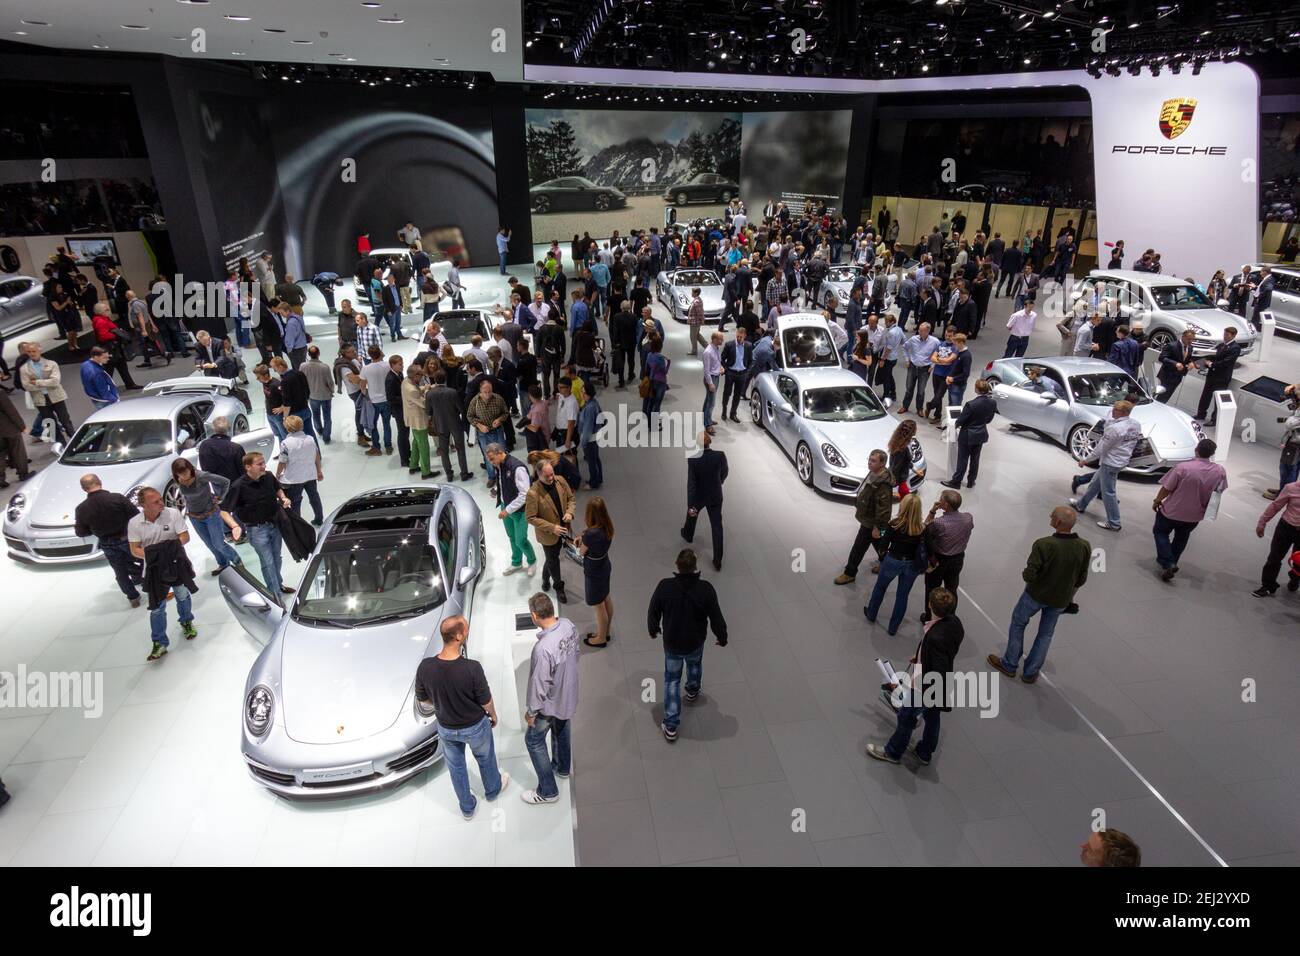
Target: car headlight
833,456
1203,333
423,709
914,449
17,505
258,709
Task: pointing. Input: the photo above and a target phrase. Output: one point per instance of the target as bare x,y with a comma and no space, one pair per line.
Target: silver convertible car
826,418
329,706
673,289
1068,399
129,445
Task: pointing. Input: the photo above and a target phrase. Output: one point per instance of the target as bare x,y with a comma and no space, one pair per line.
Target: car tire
1159,339
542,204
482,553
173,498
756,409
726,195
682,199
239,426
601,202
803,463
1079,442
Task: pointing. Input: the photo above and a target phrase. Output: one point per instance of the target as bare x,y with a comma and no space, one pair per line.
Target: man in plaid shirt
367,335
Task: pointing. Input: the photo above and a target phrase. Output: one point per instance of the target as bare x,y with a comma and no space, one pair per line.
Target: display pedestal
950,436
1225,420
1149,359
1267,326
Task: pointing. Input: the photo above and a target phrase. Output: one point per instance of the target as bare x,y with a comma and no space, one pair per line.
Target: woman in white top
299,468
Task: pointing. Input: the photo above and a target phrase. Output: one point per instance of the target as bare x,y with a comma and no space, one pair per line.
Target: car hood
710,295
55,493
855,440
1215,321
339,685
1168,429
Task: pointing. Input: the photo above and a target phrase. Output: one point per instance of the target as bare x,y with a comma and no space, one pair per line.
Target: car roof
1142,278
825,376
148,407
1069,364
1290,270
792,320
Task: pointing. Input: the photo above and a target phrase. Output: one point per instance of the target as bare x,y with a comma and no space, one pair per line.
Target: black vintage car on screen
574,192
702,187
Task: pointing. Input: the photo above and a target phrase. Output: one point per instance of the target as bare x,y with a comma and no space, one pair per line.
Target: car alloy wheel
240,425
1081,442
1160,339
173,498
803,464
756,409
602,201
542,204
681,199
726,195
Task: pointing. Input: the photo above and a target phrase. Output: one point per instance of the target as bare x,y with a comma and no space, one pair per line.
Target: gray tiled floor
770,766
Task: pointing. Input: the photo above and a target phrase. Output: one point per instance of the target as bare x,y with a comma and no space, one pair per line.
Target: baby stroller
600,373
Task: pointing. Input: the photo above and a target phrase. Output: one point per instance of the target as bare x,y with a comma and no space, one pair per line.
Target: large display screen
795,158
601,171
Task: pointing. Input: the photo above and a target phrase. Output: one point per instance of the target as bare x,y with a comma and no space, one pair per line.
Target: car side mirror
57,448
253,602
785,408
465,577
888,402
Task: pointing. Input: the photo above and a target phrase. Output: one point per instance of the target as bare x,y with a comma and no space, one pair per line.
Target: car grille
414,757
75,551
15,543
271,776
53,527
844,484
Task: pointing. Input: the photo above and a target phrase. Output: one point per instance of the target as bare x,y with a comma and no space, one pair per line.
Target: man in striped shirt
367,335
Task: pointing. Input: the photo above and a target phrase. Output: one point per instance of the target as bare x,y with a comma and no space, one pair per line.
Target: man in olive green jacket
874,502
1057,568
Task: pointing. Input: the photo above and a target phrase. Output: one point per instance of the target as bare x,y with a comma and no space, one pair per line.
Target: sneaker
1074,503
135,603
878,751
845,579
996,663
531,569
157,652
925,761
1271,493
1293,583
189,630
1167,574
562,776
536,799
470,816
1263,591
670,733
512,569
1107,526
1029,678
505,782
691,696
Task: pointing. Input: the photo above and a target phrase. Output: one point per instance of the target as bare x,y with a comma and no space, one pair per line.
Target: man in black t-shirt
454,689
253,500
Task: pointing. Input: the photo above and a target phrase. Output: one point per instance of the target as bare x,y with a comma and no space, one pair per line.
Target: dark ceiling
904,38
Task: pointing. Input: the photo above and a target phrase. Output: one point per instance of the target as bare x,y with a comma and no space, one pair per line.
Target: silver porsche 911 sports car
673,289
824,417
837,285
1068,400
129,445
329,706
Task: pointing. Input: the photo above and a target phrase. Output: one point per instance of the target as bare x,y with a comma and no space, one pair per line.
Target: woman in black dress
594,544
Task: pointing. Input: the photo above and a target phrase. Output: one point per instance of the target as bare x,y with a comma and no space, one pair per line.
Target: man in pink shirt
1181,502
1286,538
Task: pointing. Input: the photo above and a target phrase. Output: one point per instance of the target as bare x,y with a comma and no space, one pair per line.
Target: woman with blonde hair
299,468
904,559
594,545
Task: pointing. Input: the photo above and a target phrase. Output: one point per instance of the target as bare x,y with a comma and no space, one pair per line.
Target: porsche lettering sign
1176,116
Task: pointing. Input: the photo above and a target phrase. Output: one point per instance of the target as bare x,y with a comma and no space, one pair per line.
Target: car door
257,610
21,305
189,426
784,412
1286,302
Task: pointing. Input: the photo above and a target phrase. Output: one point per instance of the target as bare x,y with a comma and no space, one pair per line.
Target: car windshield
692,279
843,274
580,181
460,327
1106,388
119,443
809,345
357,580
1173,297
841,403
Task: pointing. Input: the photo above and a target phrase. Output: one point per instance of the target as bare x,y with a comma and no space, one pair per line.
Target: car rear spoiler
198,384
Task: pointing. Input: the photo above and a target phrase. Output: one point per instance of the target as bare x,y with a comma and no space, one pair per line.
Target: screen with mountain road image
599,171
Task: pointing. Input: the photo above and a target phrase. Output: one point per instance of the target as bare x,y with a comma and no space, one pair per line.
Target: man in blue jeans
685,607
1119,439
1057,568
552,698
503,246
203,493
453,690
253,500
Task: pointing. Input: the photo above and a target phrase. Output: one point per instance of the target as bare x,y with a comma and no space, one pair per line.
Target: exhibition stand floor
1140,713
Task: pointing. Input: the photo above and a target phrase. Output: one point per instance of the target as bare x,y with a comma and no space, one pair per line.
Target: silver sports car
827,419
459,326
1068,399
129,445
673,289
837,285
329,706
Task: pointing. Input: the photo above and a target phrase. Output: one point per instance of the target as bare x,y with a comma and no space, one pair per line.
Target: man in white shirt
919,350
1111,455
566,412
409,235
712,375
155,524
1020,325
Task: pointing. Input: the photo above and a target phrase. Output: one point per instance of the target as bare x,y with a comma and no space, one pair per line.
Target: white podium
950,436
1267,326
1149,359
1225,420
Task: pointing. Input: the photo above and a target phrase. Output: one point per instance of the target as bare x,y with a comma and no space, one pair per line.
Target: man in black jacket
705,474
446,407
972,433
686,607
737,357
104,514
622,336
393,395
220,454
1175,362
550,341
931,696
1219,368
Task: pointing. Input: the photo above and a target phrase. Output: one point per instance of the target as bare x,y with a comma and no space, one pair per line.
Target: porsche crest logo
338,729
1176,116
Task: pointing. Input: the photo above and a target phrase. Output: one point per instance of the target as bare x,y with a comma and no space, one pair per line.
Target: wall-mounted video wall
607,171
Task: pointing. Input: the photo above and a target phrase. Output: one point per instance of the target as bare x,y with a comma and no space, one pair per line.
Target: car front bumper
313,771
843,482
55,545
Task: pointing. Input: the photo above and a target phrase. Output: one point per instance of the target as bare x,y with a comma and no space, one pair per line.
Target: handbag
645,390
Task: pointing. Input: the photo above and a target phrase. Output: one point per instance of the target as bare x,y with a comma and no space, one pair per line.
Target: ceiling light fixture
304,42
36,23
391,20
271,30
237,17
133,26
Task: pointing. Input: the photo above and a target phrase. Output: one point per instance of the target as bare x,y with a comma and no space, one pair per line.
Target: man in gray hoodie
552,698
